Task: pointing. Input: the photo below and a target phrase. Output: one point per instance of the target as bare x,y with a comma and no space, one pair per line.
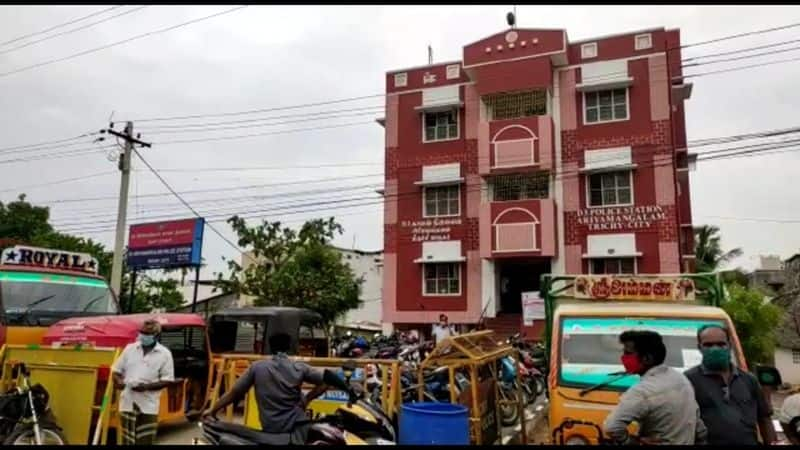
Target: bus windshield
27,293
590,348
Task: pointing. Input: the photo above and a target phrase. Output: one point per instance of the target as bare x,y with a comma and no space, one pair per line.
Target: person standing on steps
442,330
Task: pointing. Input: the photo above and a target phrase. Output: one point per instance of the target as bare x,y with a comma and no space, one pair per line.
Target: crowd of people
713,403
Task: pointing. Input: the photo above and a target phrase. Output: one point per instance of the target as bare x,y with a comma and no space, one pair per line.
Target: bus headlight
576,439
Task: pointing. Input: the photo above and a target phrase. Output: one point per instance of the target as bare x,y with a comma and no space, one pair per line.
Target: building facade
367,265
532,155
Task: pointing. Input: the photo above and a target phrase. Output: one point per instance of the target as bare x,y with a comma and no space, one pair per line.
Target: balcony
522,144
518,228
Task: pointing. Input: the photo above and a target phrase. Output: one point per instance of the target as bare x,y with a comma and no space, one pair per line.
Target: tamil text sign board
177,243
634,288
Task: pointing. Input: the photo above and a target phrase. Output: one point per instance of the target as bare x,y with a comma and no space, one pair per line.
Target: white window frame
424,201
795,356
454,111
589,50
635,264
606,172
599,121
424,279
636,38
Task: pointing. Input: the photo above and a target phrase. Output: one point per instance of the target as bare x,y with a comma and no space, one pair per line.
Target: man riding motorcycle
278,382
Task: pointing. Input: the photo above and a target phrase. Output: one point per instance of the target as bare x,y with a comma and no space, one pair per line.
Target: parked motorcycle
25,415
355,423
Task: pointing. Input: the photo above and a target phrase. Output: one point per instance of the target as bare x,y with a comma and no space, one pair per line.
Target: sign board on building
532,308
177,243
23,255
621,217
634,288
430,229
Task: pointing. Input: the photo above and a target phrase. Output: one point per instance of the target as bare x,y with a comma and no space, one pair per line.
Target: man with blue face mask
732,404
142,370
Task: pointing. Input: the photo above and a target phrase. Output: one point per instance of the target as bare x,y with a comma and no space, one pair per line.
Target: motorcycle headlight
576,439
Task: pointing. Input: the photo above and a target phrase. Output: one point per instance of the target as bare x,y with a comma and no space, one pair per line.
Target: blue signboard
166,244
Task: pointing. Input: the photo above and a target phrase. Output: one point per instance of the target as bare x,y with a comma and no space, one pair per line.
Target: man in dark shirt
278,382
731,402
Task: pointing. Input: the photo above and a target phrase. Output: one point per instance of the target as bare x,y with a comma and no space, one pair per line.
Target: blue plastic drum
433,424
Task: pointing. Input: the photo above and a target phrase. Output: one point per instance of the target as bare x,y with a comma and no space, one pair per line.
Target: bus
40,286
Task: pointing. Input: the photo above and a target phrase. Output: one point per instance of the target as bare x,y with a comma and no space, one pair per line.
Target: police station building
532,155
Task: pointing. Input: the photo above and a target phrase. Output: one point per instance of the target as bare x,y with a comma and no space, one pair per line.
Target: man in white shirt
442,329
143,369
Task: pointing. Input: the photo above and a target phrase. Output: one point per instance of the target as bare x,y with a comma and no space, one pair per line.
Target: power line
744,50
185,203
736,36
58,141
258,125
226,212
271,133
60,25
260,119
74,30
124,41
64,180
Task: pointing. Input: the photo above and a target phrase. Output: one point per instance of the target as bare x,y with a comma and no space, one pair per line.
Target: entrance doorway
516,276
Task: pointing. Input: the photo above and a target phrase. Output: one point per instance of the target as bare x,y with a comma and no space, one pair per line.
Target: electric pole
122,208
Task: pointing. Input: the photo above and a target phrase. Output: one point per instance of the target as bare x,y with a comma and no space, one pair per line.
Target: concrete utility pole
122,208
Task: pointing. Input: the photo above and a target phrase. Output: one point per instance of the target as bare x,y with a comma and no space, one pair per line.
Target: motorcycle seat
249,434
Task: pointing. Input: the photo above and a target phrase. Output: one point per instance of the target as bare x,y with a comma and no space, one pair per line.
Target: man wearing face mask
142,370
731,401
662,402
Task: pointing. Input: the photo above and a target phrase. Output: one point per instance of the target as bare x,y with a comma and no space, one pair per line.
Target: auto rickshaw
247,330
185,335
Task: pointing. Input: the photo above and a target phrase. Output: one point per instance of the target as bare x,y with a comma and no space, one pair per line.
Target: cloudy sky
266,57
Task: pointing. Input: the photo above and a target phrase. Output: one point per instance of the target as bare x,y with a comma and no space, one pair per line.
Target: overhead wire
114,44
74,30
47,30
667,161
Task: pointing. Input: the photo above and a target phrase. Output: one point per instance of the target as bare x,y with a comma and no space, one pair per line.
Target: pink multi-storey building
532,155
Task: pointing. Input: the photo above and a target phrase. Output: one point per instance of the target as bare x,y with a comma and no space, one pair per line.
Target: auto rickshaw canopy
224,333
114,330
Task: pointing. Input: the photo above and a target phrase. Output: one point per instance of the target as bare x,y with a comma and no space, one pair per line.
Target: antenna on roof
511,18
430,54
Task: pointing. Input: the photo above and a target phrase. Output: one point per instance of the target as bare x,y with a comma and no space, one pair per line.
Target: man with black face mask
662,402
142,370
731,401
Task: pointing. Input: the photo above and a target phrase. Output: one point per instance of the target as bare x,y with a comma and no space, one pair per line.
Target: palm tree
708,252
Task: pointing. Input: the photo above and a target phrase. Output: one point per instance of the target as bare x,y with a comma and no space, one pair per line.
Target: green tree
293,268
755,320
708,251
21,222
153,294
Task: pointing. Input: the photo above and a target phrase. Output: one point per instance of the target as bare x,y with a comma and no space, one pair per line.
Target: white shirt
790,409
441,332
137,368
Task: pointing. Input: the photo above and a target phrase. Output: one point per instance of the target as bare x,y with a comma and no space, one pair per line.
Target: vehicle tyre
25,436
540,385
509,412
